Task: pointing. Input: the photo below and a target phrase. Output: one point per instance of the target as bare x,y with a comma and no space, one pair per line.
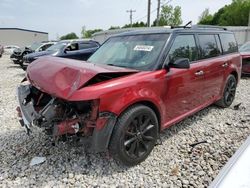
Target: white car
236,173
10,48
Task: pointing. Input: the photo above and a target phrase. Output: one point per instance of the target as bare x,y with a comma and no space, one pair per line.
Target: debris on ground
37,160
237,106
195,144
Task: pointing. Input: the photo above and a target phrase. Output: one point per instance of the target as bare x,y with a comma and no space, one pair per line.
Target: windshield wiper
110,64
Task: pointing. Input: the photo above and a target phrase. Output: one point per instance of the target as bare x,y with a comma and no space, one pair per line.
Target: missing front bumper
27,109
97,126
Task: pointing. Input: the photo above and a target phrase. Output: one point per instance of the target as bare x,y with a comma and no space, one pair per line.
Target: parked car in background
135,85
1,50
10,49
73,49
18,54
245,54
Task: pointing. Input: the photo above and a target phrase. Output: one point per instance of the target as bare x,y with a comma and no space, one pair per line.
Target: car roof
181,29
78,40
49,42
12,46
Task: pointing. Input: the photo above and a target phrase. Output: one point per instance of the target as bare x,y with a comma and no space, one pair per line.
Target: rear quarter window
228,42
87,45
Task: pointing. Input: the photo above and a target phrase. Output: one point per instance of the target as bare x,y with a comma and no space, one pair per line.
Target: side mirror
182,63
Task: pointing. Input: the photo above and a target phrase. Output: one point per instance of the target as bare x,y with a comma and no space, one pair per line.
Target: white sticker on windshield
143,48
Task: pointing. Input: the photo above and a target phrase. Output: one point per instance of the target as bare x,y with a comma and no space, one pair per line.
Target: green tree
169,15
235,14
217,15
69,36
88,33
206,18
114,27
136,24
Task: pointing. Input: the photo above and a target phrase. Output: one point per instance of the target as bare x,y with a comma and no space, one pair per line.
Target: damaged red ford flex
135,85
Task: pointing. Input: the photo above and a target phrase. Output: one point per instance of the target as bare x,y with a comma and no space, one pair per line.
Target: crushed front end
60,118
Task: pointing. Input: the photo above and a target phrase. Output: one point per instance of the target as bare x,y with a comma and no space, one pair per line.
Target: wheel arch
149,104
235,74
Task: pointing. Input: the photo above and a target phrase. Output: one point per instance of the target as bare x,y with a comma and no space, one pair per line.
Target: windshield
35,45
136,52
57,47
245,47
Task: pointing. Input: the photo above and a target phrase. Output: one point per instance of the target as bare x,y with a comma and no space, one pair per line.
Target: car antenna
189,23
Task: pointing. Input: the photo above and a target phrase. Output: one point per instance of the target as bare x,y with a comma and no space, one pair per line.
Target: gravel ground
171,164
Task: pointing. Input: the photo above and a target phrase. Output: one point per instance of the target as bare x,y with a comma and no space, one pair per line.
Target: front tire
229,92
134,135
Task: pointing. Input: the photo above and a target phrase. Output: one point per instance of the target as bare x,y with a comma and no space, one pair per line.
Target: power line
131,16
138,19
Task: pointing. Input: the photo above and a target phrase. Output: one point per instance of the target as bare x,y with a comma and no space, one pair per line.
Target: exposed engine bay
57,117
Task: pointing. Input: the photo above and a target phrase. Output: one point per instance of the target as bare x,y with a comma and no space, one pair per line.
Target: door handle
224,65
199,73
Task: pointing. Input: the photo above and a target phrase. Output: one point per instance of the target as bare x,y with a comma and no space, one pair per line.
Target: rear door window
184,46
44,47
229,44
208,46
87,45
72,47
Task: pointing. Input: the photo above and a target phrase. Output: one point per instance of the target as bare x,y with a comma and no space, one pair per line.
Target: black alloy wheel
139,136
229,92
135,135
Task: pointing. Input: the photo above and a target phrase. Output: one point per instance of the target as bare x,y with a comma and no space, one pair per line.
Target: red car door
214,65
184,86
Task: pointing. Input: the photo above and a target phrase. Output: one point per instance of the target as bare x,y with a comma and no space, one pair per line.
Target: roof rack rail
190,26
208,27
180,26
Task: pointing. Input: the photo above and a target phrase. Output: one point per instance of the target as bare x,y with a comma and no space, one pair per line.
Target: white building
21,37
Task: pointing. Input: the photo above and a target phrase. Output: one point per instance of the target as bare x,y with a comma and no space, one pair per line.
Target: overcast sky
59,17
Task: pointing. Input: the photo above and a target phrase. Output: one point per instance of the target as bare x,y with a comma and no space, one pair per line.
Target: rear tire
229,92
134,135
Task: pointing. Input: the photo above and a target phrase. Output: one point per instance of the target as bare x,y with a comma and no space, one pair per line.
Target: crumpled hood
61,77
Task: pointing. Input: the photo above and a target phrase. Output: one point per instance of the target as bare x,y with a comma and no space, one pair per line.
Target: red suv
135,85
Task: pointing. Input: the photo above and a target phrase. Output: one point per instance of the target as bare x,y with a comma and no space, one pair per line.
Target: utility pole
249,19
149,7
131,16
247,32
158,12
